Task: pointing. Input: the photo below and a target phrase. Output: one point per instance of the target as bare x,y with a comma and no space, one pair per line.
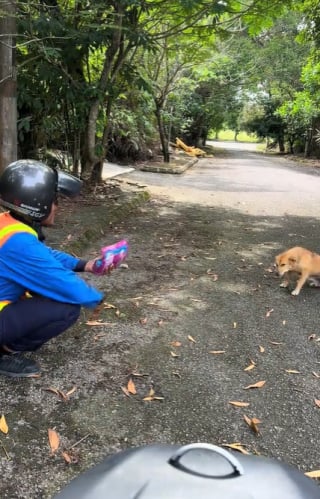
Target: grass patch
242,136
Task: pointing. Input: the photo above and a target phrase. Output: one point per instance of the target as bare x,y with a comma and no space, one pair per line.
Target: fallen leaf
217,352
3,425
312,337
259,384
57,392
66,457
98,323
151,396
54,440
261,348
63,395
143,320
176,374
173,354
317,402
71,391
131,387
269,312
252,423
236,446
175,343
52,390
139,375
316,375
109,305
292,371
256,420
250,366
276,343
313,474
239,404
125,391
190,338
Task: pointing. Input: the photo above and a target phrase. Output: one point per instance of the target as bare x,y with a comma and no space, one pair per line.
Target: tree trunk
8,85
163,138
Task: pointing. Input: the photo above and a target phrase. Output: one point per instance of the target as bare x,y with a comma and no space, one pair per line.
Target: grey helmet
29,187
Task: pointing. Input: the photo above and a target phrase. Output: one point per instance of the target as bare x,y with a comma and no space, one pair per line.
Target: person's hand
89,266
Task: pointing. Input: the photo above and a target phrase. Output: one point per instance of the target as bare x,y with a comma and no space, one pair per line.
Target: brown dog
297,260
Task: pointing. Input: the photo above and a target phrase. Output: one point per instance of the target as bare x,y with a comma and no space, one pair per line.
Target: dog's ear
292,260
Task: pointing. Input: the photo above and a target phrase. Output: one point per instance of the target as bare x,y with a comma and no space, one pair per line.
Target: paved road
242,179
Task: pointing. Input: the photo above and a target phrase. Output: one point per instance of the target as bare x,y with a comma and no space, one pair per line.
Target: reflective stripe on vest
8,227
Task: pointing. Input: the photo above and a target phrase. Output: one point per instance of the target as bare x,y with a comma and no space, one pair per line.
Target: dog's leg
285,283
302,279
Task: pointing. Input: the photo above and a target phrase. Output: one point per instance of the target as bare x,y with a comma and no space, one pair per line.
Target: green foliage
95,73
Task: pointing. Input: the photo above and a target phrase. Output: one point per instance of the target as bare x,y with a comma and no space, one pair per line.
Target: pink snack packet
111,255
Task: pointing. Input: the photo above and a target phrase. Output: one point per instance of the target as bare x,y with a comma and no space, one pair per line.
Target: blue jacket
26,264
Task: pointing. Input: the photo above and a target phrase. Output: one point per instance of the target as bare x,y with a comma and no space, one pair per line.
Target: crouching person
41,293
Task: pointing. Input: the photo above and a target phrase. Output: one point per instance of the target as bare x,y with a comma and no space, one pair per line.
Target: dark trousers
29,323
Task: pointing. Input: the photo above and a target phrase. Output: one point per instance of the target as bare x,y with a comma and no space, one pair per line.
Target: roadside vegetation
120,80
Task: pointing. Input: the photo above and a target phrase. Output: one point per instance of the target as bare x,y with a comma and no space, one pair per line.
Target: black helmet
29,187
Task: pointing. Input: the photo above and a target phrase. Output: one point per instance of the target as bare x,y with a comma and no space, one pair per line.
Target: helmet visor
67,184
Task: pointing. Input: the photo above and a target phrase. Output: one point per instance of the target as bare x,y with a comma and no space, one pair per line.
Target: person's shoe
17,366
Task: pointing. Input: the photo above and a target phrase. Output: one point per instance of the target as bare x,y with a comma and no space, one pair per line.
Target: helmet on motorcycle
29,187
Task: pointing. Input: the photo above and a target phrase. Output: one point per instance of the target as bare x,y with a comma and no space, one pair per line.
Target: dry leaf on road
236,446
175,343
252,423
173,354
125,391
313,474
109,305
152,396
292,371
131,387
317,402
261,349
269,312
258,384
54,440
98,323
66,457
239,404
190,338
251,366
3,425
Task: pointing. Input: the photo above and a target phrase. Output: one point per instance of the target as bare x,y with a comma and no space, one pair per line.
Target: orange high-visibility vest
8,227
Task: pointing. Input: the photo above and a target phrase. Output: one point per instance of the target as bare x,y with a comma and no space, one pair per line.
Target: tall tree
8,99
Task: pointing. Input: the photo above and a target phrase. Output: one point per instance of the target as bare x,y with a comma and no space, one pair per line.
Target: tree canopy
117,79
